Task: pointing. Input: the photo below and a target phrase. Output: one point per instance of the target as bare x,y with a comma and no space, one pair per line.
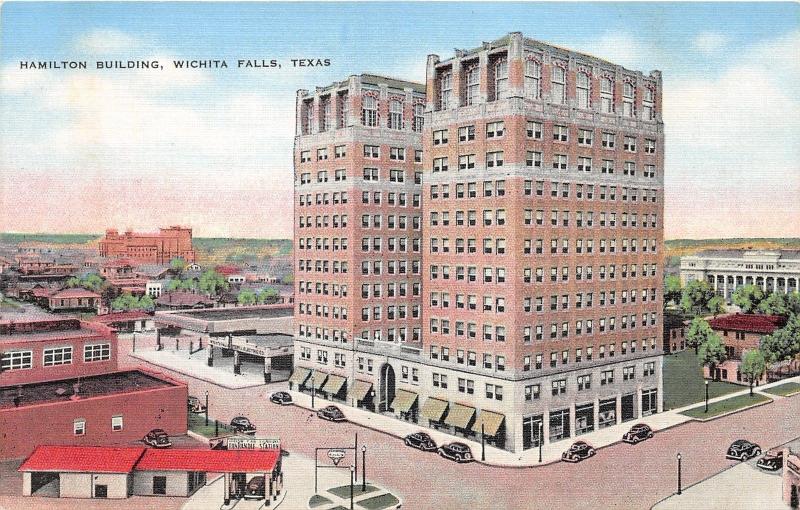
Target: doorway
101,491
387,387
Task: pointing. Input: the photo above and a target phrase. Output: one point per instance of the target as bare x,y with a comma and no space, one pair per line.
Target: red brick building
72,299
741,333
154,248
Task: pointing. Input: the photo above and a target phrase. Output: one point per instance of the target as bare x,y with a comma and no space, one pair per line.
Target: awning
319,379
433,408
361,389
403,401
491,422
459,415
299,375
334,384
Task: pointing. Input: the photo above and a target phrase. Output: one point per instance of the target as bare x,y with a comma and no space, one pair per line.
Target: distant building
183,300
73,299
154,248
120,274
154,289
34,265
675,328
727,270
126,322
740,333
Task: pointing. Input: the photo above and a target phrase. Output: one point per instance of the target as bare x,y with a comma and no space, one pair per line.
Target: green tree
288,279
93,282
146,303
774,304
212,282
268,296
73,281
699,333
177,265
716,305
753,366
748,297
783,344
246,297
793,303
672,289
712,353
695,296
124,302
172,285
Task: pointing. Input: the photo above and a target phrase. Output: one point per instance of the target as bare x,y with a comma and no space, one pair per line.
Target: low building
114,408
73,299
178,300
675,328
126,322
154,289
740,333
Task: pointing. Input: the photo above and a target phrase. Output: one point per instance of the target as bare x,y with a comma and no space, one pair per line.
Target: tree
699,333
146,303
716,305
793,303
124,302
712,353
212,282
695,296
753,366
92,281
246,297
774,304
73,281
783,344
288,279
748,297
177,265
672,289
268,296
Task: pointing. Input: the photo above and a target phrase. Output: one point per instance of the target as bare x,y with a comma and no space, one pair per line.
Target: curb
735,411
197,437
195,376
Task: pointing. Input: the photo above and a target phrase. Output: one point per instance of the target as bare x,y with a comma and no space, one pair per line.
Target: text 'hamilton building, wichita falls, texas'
483,254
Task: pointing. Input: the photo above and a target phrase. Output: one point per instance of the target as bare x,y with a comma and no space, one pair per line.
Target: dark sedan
579,451
331,413
281,397
638,433
157,438
772,461
420,441
743,450
242,425
458,452
255,488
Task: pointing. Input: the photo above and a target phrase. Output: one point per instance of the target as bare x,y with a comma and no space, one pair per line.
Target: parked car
420,441
331,413
638,433
742,449
255,488
772,461
579,451
281,397
458,452
242,425
195,406
157,438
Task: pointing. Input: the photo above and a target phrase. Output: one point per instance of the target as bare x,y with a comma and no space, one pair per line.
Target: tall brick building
542,210
149,248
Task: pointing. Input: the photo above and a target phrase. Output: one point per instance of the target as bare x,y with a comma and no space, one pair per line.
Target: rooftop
377,79
89,387
228,314
750,323
75,292
78,459
741,253
48,329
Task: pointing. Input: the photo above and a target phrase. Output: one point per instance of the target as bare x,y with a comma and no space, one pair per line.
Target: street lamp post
206,408
541,439
483,443
352,480
313,391
679,473
364,468
706,396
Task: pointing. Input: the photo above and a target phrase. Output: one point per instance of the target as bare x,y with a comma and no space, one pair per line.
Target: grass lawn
197,424
379,502
344,490
317,500
785,389
725,406
684,383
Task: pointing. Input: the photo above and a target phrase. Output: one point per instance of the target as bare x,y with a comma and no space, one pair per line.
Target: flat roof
210,461
750,323
40,336
83,459
90,387
228,314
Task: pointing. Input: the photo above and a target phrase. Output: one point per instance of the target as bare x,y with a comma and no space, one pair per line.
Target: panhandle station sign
253,443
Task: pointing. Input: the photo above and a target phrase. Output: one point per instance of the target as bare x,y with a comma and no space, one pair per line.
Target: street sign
336,456
254,443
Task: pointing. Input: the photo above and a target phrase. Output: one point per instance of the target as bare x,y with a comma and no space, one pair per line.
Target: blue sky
199,147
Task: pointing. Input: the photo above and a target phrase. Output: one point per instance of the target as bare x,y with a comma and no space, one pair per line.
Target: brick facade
158,248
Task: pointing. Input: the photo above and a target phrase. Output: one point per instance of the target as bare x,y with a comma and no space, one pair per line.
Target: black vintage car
772,461
157,438
331,413
742,449
242,425
579,451
420,441
458,452
195,406
255,488
638,433
281,397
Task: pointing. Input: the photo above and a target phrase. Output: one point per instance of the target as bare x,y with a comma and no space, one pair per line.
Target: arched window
533,79
473,85
582,89
369,111
628,96
606,95
648,104
395,114
445,90
559,89
501,79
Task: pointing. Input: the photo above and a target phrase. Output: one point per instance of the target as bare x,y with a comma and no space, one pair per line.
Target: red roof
76,292
90,459
750,323
120,317
227,270
210,461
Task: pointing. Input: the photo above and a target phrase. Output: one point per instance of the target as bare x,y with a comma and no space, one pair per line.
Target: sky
84,150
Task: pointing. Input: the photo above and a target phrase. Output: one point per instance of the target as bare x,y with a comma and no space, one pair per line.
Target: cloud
106,41
709,43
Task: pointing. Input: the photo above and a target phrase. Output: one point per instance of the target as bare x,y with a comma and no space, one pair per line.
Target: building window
558,92
97,352
473,85
648,104
501,79
606,95
116,423
325,122
369,111
534,129
582,88
16,360
533,79
79,427
344,110
395,114
57,356
445,90
419,120
628,96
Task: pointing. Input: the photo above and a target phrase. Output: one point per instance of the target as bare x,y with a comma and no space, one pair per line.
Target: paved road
619,477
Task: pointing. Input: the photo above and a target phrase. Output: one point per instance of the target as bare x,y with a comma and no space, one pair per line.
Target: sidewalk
550,452
196,366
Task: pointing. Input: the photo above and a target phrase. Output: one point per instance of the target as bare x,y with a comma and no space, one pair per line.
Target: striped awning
433,408
403,401
319,379
334,384
459,415
490,421
299,375
360,389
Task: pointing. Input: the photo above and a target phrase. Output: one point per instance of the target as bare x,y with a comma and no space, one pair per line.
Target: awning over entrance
459,415
490,421
361,389
403,401
433,409
334,384
299,375
319,379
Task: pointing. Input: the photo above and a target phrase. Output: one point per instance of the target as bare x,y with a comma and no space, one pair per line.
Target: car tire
650,435
756,453
407,442
591,453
